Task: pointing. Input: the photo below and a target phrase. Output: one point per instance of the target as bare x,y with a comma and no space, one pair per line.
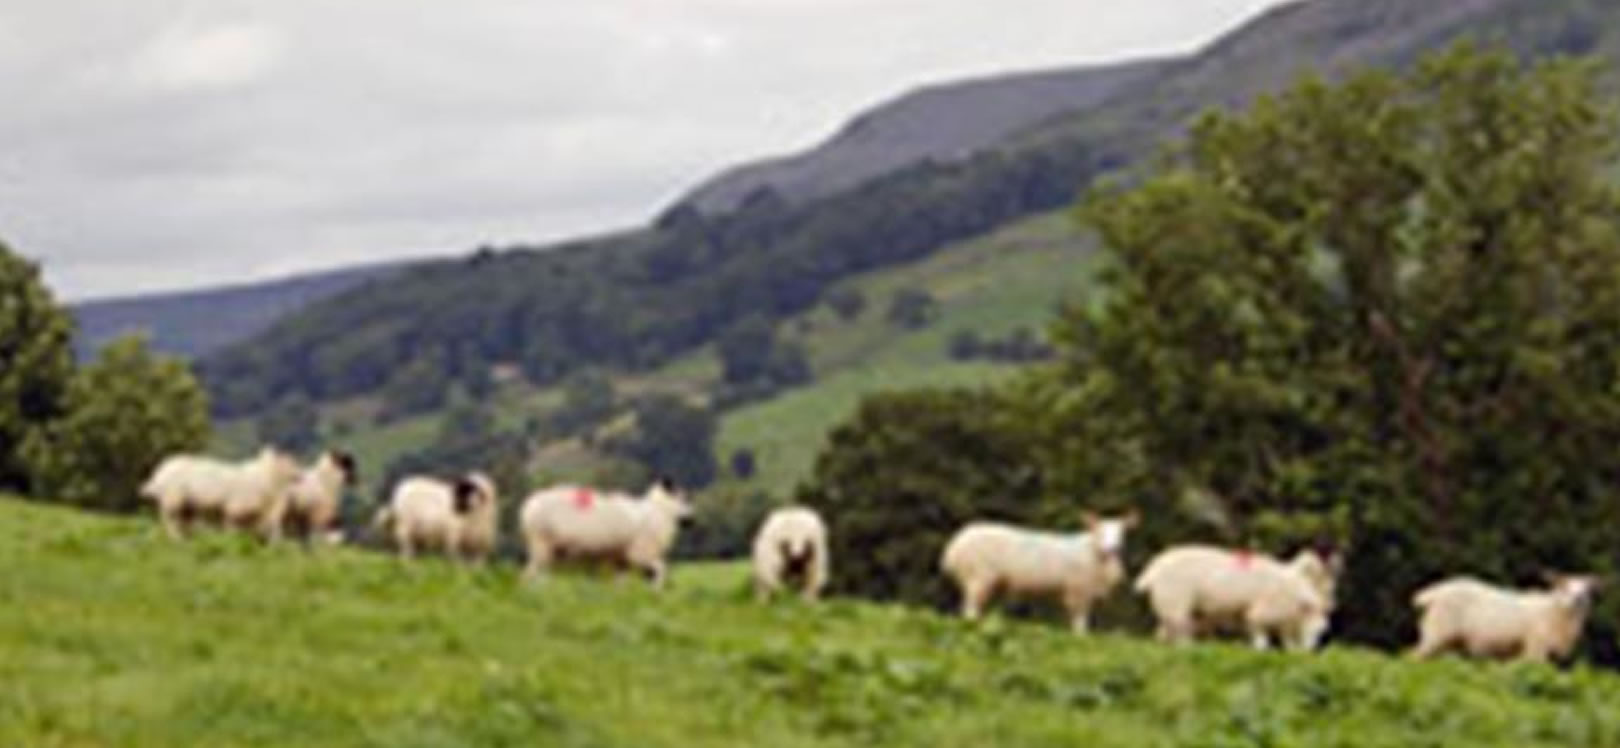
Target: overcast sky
156,144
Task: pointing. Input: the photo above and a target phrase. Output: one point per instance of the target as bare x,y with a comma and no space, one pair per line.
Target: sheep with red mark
576,522
1196,590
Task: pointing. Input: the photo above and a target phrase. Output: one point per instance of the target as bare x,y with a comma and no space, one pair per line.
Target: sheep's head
473,491
1574,591
1319,566
671,499
1108,533
346,464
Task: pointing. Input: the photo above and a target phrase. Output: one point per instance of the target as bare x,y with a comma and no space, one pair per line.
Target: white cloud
168,143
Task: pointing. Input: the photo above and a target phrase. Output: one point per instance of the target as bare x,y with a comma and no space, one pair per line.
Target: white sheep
428,513
249,494
791,545
582,523
1483,620
315,500
1197,590
986,558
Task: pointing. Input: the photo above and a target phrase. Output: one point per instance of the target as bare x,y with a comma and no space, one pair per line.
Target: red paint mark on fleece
584,498
1244,559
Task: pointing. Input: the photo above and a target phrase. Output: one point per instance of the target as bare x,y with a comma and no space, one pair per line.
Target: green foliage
909,470
1386,309
36,361
124,413
745,350
671,437
588,399
724,523
419,386
293,424
353,649
847,303
912,308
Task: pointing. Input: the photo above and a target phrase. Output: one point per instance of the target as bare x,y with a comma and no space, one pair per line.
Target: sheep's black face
465,496
347,464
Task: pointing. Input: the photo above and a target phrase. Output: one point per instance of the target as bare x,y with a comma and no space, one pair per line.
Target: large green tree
36,361
1386,308
124,413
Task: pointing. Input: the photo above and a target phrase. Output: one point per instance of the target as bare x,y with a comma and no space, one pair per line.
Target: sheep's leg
540,553
1429,645
976,593
407,546
764,590
1079,606
660,574
1535,651
173,517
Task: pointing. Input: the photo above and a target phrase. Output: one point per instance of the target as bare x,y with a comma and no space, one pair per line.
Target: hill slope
196,323
114,636
943,123
640,299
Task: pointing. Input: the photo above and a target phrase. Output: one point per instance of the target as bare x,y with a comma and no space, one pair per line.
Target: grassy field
112,636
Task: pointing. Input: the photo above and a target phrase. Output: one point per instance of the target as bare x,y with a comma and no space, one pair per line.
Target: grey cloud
161,143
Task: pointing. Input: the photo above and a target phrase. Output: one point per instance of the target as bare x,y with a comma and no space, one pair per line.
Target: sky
163,144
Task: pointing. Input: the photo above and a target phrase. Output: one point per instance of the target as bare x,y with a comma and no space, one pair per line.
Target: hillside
640,300
944,123
117,637
196,323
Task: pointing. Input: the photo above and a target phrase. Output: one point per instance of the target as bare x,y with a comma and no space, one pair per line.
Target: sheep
1483,620
579,522
458,518
314,501
249,494
791,544
1196,589
984,558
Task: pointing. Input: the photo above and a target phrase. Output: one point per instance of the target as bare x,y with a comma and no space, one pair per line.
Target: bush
847,303
125,413
909,470
912,308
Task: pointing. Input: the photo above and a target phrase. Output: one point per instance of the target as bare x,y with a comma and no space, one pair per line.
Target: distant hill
637,300
943,123
196,323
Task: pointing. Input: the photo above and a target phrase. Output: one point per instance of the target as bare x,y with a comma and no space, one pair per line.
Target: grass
1012,278
113,636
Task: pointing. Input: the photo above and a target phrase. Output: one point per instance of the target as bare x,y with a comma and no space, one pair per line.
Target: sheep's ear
1133,518
1553,578
346,463
667,483
1091,519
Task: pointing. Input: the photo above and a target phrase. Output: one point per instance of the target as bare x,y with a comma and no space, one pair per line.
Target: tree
910,469
964,345
672,437
1385,309
588,399
746,349
465,420
124,413
420,386
847,302
294,424
36,362
912,308
743,463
